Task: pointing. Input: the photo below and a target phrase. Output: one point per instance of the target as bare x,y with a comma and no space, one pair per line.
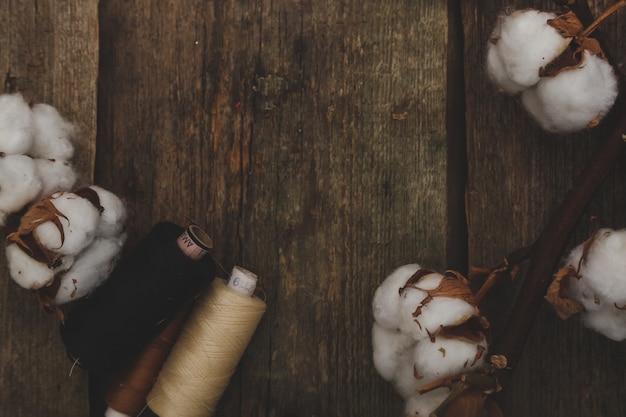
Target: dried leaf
568,25
556,295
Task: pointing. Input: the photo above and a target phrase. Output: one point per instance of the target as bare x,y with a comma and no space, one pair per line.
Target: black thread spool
144,292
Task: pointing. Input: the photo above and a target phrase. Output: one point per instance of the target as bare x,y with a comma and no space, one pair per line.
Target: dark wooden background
321,144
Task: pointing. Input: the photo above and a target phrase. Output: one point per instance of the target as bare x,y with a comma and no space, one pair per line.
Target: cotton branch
547,249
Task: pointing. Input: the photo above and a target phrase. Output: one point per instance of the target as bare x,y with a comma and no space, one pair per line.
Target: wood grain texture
517,175
49,53
309,139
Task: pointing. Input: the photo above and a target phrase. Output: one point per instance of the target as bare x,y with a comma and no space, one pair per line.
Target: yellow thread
206,354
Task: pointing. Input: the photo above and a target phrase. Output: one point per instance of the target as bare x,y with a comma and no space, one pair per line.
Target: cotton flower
78,219
443,356
34,153
599,282
16,129
520,44
424,307
19,184
385,304
67,244
28,272
575,98
565,83
56,175
113,216
52,134
389,347
426,328
90,269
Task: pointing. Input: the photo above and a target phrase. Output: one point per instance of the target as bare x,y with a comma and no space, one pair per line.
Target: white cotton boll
79,227
385,303
422,405
56,175
601,283
438,312
445,311
574,99
389,346
19,183
90,269
16,125
26,271
609,321
448,356
604,269
113,216
52,134
519,46
405,380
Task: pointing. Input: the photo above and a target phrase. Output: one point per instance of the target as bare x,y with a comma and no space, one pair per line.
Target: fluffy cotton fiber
574,99
79,221
19,184
90,269
26,271
83,239
412,309
35,149
16,125
52,134
55,174
601,283
385,304
113,216
519,46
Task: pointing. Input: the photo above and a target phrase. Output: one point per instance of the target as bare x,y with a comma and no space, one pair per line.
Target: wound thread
127,393
144,292
206,354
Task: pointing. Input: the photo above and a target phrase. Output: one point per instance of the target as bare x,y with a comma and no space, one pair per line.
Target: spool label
242,281
189,246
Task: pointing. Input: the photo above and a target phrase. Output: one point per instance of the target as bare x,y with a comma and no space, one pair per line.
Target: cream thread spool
209,348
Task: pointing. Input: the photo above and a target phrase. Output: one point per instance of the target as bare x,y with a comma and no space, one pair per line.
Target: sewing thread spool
144,292
126,396
208,349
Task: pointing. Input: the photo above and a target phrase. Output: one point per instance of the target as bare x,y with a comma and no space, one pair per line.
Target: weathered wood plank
517,176
309,139
48,52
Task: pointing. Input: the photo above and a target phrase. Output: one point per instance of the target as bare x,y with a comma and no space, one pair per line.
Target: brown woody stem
508,268
608,12
547,249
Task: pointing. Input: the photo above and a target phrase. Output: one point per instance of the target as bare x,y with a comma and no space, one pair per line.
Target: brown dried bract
498,361
41,212
557,293
567,24
473,330
452,285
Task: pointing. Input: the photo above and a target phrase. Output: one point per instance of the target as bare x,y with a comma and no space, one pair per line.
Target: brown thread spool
127,394
208,349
